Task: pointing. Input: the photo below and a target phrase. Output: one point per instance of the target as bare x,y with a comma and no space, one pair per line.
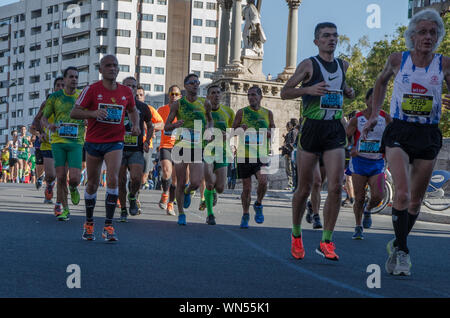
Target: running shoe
259,216
75,196
170,210
309,212
367,220
38,183
134,209
326,249
316,222
88,231
49,192
211,219
202,206
123,216
297,249
64,216
57,210
138,203
48,201
109,234
244,221
358,235
392,257
187,199
182,219
403,266
163,201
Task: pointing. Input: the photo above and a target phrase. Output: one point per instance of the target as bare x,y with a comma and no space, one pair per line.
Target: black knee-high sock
400,222
110,206
166,184
411,221
90,205
172,193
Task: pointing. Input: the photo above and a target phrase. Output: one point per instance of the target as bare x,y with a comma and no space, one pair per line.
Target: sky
350,16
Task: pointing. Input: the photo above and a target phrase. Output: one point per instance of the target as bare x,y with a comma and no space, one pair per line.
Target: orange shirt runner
167,140
156,118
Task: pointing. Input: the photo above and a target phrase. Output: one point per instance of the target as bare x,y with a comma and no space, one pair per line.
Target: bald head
109,67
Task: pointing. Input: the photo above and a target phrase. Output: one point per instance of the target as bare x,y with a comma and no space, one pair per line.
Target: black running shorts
317,136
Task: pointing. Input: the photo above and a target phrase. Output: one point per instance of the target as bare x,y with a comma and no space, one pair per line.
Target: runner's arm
351,128
169,126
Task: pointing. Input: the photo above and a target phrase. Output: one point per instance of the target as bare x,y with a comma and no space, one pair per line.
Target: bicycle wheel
438,200
386,198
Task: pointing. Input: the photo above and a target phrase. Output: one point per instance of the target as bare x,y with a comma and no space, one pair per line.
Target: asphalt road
155,257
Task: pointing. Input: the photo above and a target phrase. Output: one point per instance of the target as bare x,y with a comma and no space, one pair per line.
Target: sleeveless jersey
190,134
329,106
370,147
417,94
256,143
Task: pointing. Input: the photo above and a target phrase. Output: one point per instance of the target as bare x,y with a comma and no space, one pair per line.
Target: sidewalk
425,215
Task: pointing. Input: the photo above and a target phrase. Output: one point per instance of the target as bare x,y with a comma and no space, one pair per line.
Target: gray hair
425,15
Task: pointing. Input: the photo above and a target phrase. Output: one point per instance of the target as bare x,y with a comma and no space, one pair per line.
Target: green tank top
190,134
255,140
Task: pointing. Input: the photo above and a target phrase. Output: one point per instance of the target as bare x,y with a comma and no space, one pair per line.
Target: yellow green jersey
190,134
255,142
69,130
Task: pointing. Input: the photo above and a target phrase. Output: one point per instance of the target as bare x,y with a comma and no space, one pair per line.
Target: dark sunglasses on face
192,82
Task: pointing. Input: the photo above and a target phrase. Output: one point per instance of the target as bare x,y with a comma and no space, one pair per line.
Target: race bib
68,130
170,134
332,100
254,138
417,104
114,113
130,140
369,146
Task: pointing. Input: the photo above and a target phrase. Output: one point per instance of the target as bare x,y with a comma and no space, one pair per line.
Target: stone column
291,40
224,42
236,33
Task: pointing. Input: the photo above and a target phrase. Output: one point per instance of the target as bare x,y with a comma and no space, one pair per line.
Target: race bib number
417,105
191,135
369,146
68,130
254,138
332,100
130,140
114,113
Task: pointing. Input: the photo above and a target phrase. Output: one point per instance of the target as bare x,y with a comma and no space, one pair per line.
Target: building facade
442,6
157,41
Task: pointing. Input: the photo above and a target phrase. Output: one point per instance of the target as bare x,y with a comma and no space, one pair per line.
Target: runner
104,104
367,164
158,125
13,146
193,115
216,171
133,156
67,140
22,155
45,149
323,89
169,178
413,138
253,152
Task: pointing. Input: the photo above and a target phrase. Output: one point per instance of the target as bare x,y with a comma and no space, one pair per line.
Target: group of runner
109,123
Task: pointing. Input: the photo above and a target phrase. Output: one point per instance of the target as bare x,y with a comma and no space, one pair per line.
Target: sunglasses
174,94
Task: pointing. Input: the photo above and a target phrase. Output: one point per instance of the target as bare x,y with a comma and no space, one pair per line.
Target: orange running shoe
170,210
109,234
49,192
88,232
118,204
163,201
57,209
297,249
326,249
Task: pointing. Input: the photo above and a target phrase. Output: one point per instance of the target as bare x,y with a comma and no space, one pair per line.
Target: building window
146,52
196,73
209,40
35,79
35,30
161,18
35,63
102,14
208,74
210,6
159,70
159,88
196,56
101,49
123,50
196,39
124,68
160,53
33,95
123,15
198,4
147,87
145,69
102,32
162,2
211,23
124,33
198,22
35,47
210,58
36,14
160,36
146,17
146,35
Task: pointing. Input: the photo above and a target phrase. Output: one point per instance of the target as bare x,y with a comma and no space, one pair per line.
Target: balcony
4,29
3,138
4,45
75,46
100,23
83,27
3,124
77,62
